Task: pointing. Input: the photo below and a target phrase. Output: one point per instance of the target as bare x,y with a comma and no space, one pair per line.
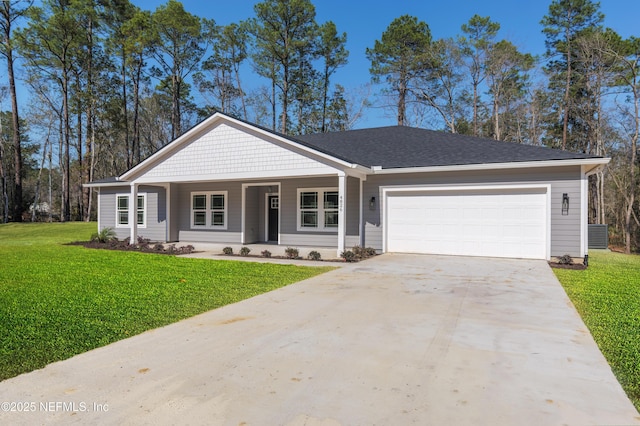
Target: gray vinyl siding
565,230
289,235
234,205
156,217
252,222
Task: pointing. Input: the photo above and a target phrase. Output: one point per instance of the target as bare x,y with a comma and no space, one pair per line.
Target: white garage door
494,223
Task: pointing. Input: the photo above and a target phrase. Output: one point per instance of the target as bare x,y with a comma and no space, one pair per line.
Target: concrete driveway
399,339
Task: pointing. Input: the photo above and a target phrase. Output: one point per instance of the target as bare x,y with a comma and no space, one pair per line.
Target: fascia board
595,162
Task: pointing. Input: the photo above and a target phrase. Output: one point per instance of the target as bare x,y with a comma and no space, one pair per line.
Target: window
318,209
122,210
209,210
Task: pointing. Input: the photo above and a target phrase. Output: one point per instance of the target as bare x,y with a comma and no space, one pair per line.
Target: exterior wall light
565,204
372,203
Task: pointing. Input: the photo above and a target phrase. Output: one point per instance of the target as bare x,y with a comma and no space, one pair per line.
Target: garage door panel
474,223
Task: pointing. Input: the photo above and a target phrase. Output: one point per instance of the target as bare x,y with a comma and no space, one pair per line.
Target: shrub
314,255
143,243
363,252
244,251
291,252
265,253
185,249
105,235
565,260
349,256
227,250
158,247
370,251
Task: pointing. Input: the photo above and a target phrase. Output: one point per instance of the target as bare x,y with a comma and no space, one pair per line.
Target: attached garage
490,221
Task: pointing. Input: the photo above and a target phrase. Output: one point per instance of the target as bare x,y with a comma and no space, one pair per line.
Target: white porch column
133,213
342,203
361,220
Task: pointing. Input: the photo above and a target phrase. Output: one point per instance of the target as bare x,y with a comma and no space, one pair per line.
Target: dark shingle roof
401,146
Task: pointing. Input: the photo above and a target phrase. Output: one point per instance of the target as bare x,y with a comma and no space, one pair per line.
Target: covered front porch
315,213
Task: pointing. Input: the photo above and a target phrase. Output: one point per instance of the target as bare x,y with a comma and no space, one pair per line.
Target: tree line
111,83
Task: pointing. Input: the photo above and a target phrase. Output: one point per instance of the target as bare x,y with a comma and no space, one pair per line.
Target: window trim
144,210
320,209
208,210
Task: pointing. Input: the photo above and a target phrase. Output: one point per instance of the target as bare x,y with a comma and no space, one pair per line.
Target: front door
274,205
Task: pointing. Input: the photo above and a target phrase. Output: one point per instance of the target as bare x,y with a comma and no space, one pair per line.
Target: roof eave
590,163
105,184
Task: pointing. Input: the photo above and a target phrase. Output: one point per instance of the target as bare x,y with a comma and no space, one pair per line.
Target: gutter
596,162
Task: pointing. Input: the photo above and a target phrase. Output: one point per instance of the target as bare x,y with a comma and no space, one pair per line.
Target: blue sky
364,22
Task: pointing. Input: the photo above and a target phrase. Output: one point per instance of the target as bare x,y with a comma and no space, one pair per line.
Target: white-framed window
122,210
318,209
209,210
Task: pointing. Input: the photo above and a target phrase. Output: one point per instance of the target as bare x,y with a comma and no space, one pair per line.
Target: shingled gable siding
156,224
565,230
225,151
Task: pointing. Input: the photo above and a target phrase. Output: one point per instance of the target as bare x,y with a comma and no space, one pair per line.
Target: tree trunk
325,89
244,106
402,101
565,121
136,112
18,206
125,113
285,99
475,108
3,177
36,200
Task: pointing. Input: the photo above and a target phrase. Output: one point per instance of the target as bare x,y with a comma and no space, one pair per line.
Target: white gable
225,152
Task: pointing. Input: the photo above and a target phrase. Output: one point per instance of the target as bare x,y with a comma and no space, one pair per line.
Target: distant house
397,189
40,208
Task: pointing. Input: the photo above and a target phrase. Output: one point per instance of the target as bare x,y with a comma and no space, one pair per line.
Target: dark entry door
274,205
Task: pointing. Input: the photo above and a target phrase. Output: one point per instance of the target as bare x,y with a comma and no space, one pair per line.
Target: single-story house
396,189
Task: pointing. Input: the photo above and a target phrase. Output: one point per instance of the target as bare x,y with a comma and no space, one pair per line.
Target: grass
607,296
59,300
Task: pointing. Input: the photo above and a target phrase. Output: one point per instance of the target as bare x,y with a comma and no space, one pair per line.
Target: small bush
362,253
349,256
314,255
565,260
158,247
105,235
244,251
185,249
291,252
143,243
227,250
265,253
370,251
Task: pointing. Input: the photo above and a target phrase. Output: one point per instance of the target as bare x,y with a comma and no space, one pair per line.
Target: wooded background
110,84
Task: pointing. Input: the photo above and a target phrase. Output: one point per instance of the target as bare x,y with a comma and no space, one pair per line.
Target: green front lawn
59,300
607,296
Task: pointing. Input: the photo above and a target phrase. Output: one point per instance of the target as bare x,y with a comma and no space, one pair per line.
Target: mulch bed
576,266
144,248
